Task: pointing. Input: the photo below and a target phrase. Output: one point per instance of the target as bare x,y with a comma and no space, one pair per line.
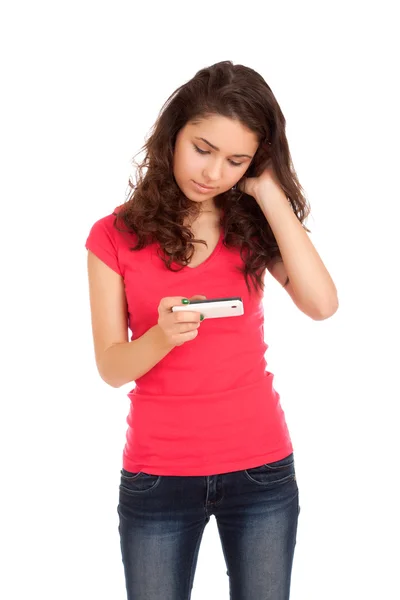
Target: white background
82,83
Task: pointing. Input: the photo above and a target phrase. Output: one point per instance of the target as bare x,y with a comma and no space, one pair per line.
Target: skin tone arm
310,286
119,360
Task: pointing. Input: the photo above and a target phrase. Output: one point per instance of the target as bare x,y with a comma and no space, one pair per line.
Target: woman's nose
213,171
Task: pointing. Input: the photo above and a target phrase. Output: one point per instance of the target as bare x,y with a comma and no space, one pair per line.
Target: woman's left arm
310,285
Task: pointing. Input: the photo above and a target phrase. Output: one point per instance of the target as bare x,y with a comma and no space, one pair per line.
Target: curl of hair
156,209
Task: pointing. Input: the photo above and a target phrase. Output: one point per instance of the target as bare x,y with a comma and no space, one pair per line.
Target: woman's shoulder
108,221
108,226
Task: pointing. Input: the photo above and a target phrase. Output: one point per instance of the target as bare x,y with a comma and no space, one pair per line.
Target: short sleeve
102,242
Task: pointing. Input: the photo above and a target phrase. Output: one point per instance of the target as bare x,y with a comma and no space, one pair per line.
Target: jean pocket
274,473
133,483
282,464
129,475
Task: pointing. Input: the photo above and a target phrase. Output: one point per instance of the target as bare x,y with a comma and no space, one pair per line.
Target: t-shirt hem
210,469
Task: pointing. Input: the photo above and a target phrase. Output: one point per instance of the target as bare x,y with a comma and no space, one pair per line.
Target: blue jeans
162,519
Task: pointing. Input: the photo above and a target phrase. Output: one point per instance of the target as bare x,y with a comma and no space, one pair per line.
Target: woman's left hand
266,184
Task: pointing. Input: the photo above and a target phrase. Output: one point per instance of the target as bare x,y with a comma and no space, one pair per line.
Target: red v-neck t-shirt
209,406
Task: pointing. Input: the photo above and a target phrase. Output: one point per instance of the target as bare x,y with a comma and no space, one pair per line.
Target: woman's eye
233,163
198,150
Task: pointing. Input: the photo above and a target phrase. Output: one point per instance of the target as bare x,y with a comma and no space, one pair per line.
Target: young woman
216,202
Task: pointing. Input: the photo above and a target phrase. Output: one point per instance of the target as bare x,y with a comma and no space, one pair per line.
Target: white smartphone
214,308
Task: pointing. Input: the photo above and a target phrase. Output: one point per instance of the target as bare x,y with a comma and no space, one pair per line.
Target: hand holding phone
178,329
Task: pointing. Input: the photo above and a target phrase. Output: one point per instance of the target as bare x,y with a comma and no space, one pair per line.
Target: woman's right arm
118,360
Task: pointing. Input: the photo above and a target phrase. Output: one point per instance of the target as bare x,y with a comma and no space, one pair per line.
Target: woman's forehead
224,134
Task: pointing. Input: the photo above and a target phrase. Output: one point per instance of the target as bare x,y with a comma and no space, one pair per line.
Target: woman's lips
202,188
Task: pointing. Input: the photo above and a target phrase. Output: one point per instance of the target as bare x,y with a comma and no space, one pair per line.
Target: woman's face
216,152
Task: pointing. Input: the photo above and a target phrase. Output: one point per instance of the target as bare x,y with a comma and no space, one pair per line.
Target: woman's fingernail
185,301
202,317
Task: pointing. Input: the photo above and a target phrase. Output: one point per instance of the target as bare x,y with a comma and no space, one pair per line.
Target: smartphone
214,308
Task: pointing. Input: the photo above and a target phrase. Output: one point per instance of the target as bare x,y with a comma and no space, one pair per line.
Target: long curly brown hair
156,208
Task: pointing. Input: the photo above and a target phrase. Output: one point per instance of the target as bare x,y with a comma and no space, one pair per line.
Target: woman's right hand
181,326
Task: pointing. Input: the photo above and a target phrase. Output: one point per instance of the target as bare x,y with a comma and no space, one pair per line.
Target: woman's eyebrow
217,149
